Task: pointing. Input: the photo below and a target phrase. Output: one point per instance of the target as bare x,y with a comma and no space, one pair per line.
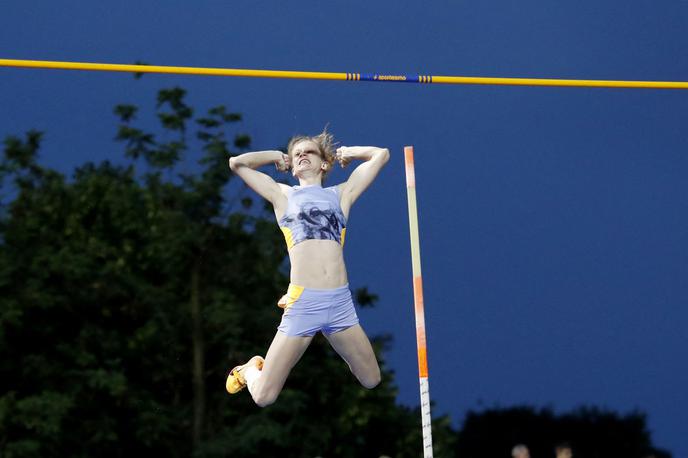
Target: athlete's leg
353,346
284,352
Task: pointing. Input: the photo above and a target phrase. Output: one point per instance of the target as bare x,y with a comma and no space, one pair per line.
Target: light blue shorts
308,311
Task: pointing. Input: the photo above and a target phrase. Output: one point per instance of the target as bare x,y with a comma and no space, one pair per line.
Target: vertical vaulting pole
418,304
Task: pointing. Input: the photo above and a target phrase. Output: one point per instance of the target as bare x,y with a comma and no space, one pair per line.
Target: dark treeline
128,291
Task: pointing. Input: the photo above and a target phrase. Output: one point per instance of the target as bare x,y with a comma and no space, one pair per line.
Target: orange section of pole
419,307
421,342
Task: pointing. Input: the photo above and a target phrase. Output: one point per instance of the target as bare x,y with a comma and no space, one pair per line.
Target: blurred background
135,271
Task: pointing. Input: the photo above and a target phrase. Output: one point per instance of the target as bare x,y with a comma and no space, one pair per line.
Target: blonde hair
326,147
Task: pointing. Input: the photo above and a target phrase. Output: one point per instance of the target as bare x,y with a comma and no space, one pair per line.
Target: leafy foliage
127,292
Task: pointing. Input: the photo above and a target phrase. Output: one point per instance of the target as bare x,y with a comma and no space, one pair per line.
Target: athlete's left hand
343,156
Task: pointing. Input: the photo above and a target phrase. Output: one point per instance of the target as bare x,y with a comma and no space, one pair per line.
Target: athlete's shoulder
336,189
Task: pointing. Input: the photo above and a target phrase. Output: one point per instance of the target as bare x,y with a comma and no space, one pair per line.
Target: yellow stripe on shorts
293,294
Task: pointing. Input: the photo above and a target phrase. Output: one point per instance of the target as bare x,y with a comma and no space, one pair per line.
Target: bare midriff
318,264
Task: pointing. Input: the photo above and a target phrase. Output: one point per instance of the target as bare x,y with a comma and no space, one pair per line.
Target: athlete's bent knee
264,398
372,380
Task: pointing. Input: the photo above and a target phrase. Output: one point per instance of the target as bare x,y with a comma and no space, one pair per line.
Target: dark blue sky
554,222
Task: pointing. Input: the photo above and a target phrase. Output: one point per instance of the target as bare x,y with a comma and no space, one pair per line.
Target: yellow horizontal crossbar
168,69
560,82
340,76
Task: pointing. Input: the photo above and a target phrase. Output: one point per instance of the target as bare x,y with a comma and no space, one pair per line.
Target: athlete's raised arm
245,164
374,159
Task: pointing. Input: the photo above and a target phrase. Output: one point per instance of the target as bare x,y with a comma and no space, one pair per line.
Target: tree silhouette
127,293
591,432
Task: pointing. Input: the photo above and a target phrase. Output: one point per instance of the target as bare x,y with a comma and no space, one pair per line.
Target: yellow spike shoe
236,381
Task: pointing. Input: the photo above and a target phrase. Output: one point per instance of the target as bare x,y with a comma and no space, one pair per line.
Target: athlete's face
305,156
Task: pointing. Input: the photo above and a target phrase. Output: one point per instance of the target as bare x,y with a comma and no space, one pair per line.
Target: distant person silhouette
520,451
563,450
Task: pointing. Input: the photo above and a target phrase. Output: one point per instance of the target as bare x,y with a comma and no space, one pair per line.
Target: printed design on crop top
315,222
313,213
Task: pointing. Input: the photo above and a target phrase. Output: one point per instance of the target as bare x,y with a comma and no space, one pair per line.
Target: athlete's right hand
282,303
283,164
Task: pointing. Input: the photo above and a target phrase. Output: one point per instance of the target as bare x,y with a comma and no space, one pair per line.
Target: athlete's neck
310,180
